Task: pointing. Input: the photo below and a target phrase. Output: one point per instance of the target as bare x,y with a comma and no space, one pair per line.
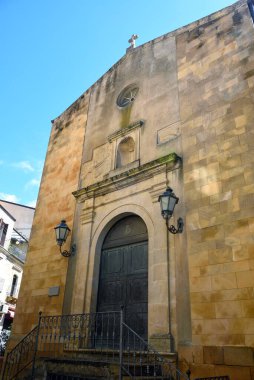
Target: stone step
91,364
94,354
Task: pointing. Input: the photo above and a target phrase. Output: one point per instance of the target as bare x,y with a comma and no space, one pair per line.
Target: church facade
175,112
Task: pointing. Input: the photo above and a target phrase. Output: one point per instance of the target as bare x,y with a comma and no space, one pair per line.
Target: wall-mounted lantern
62,231
168,200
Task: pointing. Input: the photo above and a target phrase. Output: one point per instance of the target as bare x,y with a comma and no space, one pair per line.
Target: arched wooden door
124,273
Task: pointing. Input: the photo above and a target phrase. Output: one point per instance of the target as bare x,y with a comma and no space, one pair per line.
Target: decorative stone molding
156,191
124,131
128,177
87,216
132,165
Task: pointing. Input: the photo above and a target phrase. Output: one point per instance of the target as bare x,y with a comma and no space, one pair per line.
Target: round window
127,96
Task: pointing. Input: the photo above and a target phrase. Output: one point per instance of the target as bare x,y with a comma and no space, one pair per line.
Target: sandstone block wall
45,267
205,361
215,72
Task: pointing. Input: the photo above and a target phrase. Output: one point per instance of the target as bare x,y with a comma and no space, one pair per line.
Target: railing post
36,345
121,344
20,357
5,365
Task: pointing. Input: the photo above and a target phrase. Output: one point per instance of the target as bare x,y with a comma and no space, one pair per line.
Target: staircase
87,346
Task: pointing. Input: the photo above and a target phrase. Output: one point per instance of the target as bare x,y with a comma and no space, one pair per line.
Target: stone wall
45,267
216,98
215,73
205,361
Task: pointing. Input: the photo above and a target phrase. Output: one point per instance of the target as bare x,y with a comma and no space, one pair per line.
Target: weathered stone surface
213,355
234,372
45,267
241,356
195,84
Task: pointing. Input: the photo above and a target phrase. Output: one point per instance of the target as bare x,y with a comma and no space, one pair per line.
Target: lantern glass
168,200
164,202
171,204
62,232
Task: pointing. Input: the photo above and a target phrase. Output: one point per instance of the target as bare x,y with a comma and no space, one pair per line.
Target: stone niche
125,146
120,153
125,153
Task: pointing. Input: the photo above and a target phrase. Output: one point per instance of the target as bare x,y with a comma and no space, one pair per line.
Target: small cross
132,41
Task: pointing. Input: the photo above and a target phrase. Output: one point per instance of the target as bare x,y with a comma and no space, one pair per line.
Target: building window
3,231
127,96
14,285
125,152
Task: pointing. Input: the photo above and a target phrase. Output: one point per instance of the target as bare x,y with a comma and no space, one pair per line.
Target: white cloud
23,165
32,183
39,166
9,197
32,203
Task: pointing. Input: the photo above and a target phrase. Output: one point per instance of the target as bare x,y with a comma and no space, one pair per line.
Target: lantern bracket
175,230
66,253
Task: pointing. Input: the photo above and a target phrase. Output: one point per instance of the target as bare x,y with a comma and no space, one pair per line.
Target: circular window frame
127,96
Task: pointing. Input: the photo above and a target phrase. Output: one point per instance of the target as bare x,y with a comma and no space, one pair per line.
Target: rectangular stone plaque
54,291
168,133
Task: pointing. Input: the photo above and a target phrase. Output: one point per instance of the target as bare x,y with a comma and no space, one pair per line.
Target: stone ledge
128,177
126,130
132,165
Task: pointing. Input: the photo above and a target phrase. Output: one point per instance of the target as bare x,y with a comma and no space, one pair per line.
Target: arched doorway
123,279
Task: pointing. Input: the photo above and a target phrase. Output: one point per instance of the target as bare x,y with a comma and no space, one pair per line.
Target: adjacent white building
14,236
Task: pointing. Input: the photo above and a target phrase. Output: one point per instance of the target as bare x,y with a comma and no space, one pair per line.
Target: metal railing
101,337
22,355
140,360
76,336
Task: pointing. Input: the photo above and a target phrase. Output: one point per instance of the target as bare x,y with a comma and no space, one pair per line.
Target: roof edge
8,213
17,204
188,27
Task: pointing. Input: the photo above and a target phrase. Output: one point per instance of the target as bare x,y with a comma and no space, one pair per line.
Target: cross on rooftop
132,40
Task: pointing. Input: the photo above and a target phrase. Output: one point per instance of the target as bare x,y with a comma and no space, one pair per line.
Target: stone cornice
126,130
128,177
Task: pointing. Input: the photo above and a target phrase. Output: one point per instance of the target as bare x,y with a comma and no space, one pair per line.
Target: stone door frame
97,239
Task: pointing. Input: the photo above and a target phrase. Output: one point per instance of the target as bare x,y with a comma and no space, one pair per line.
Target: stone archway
123,278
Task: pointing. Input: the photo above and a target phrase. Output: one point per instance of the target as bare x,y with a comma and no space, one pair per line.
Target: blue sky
51,52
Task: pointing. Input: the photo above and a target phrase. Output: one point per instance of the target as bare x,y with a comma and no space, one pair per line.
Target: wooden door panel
136,290
112,262
124,281
138,258
111,293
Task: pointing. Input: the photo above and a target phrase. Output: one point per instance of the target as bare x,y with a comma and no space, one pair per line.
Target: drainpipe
171,338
